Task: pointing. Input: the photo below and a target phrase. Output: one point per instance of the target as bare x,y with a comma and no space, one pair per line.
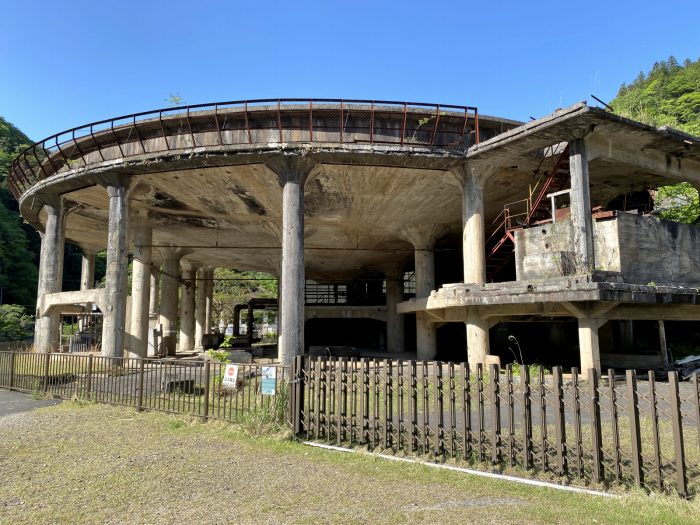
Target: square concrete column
140,289
394,320
200,307
187,308
423,237
114,316
47,325
170,286
292,173
581,218
589,347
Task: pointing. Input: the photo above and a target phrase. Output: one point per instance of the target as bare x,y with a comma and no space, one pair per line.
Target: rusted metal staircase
501,244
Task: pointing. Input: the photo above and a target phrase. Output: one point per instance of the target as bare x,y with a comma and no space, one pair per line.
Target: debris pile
687,366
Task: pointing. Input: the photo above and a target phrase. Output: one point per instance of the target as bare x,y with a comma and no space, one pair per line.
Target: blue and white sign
269,382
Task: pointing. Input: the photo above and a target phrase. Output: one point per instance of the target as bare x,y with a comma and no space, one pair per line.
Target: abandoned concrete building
394,228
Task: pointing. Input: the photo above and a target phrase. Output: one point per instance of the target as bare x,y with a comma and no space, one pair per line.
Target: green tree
232,287
669,95
15,324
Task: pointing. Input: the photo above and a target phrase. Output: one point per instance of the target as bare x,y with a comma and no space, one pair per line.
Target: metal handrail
46,157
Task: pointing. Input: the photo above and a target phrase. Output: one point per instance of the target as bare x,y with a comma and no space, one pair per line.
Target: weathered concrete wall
641,249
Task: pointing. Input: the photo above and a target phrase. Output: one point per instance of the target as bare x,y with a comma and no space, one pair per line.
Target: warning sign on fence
267,387
230,379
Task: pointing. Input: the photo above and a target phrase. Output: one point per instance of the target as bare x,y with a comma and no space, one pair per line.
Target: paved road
16,402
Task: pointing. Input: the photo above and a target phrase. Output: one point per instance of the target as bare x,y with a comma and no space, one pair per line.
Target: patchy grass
88,463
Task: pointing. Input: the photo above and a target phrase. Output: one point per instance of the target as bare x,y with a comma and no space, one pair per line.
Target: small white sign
230,379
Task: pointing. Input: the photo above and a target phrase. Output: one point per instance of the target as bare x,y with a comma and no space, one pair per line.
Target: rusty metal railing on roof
242,123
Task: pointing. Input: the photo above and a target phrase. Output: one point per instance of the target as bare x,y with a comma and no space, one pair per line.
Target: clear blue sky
66,63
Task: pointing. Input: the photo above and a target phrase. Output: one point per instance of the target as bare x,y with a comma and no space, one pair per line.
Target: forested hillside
669,95
19,242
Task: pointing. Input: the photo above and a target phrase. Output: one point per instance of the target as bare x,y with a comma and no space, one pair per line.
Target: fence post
439,444
207,388
677,420
495,414
596,430
140,405
12,370
47,359
560,422
527,417
637,470
299,385
655,429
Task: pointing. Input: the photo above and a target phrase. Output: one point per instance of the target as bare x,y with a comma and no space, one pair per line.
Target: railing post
495,414
12,370
139,407
88,384
637,470
596,430
677,421
47,363
560,422
207,380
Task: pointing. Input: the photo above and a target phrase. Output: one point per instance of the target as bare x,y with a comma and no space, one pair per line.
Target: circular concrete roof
201,176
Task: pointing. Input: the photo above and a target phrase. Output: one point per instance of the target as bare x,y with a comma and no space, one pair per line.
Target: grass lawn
87,463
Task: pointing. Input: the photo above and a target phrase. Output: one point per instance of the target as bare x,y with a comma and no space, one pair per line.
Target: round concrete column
209,301
589,346
477,337
46,328
581,217
187,308
170,285
394,320
473,237
292,173
200,307
114,316
87,270
153,307
423,237
140,289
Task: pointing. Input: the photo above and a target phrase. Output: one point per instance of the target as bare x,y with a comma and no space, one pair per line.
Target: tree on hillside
232,287
669,95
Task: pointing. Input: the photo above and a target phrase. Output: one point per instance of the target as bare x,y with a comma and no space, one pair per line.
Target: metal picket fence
604,430
175,386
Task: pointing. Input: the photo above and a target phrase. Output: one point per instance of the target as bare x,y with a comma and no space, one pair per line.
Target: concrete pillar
663,347
423,238
87,270
153,308
589,347
473,236
209,302
47,325
87,279
200,307
170,285
187,308
141,275
394,320
581,206
477,337
292,173
114,316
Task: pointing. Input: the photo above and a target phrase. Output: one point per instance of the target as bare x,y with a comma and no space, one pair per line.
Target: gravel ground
87,463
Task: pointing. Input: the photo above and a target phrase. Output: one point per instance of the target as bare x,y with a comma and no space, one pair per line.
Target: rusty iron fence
611,429
180,387
242,123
